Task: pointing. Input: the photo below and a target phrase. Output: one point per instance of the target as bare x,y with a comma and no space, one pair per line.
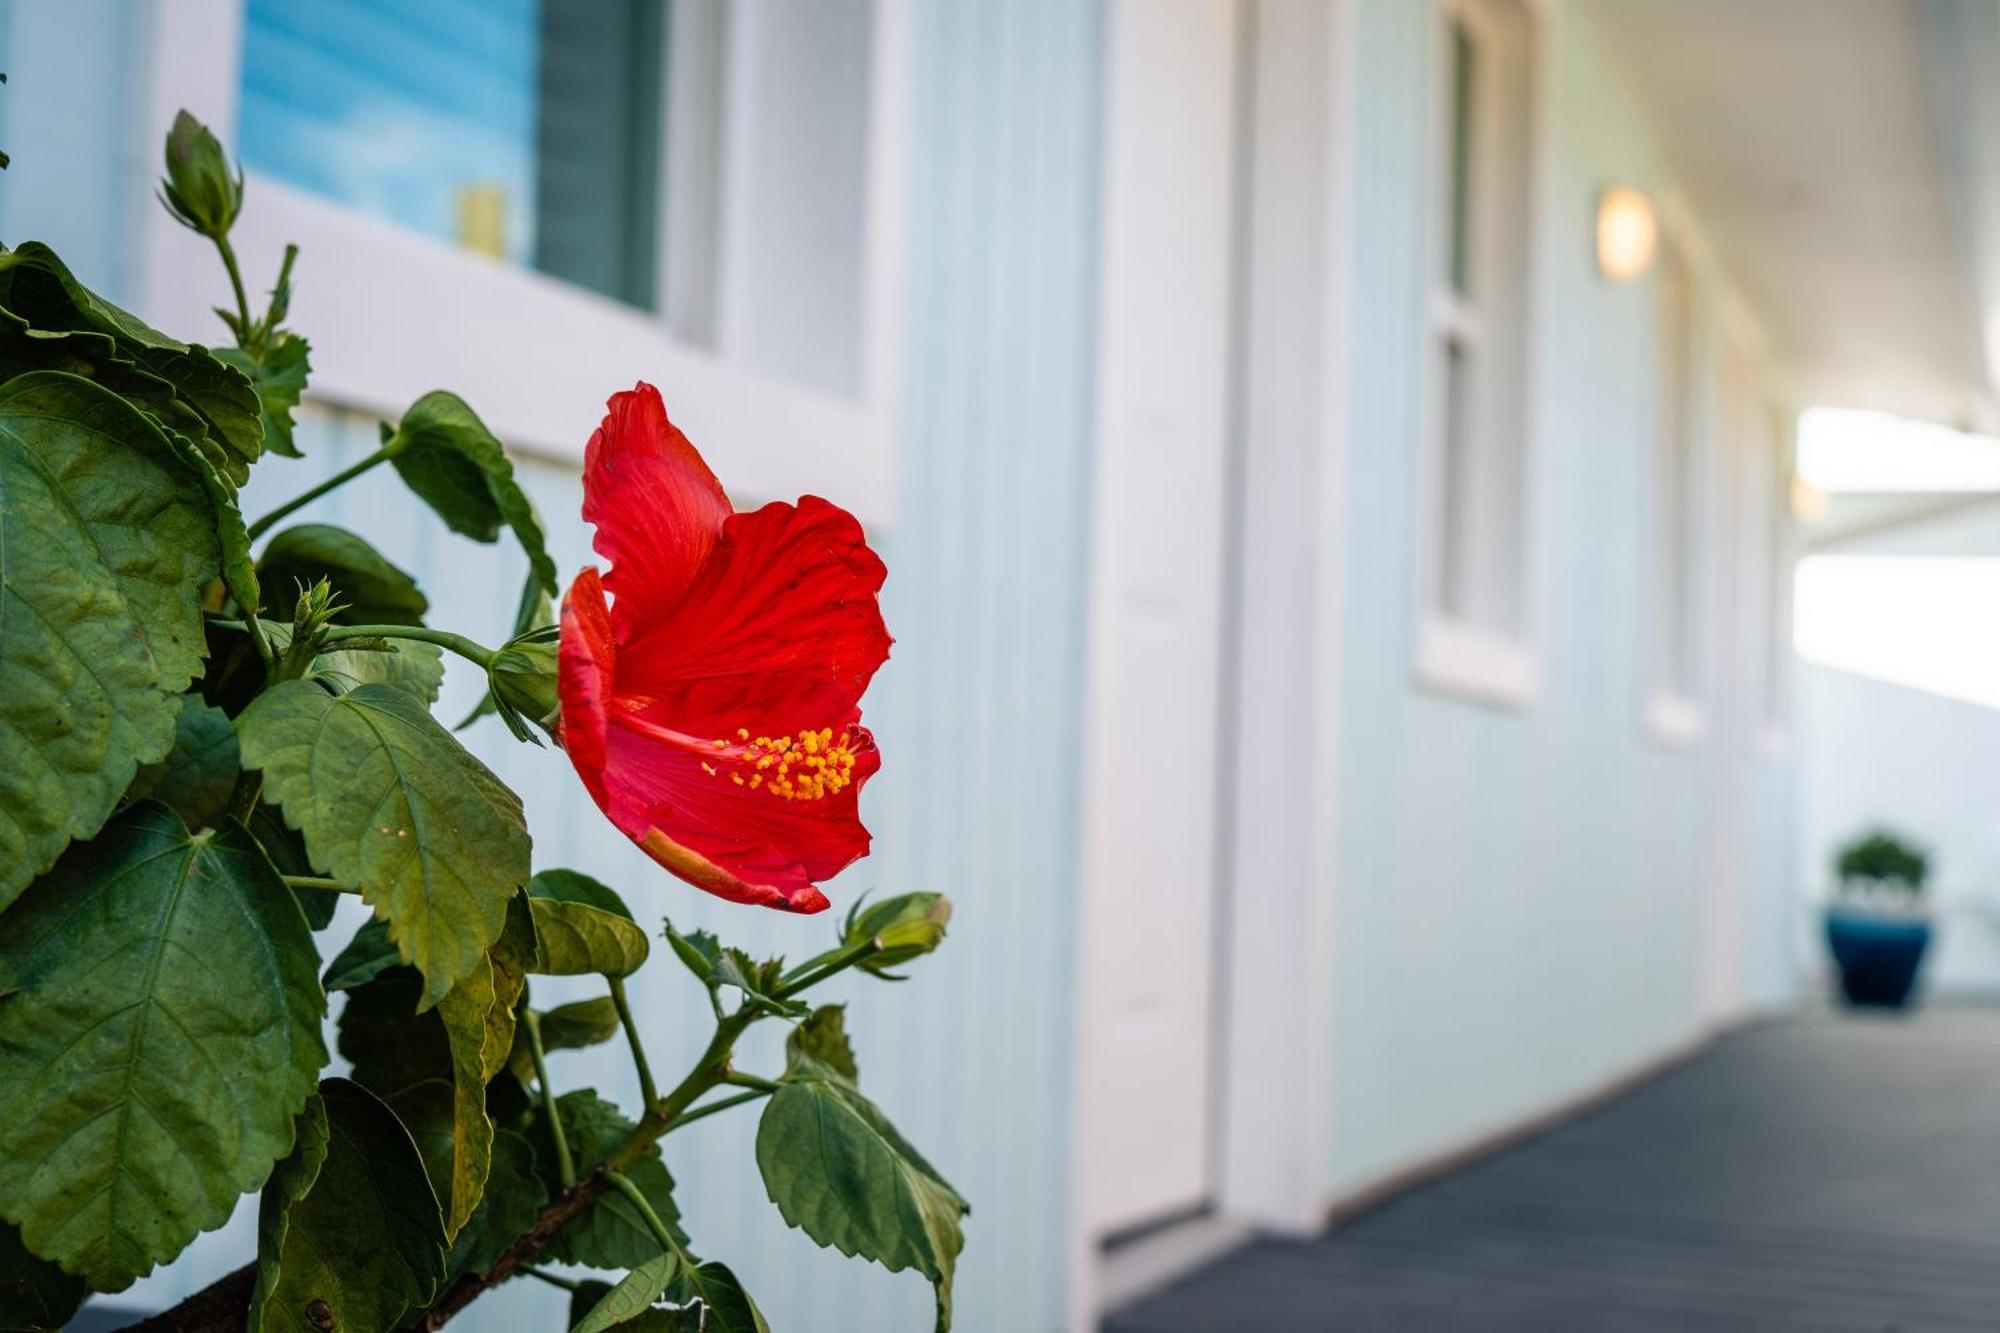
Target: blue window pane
493,125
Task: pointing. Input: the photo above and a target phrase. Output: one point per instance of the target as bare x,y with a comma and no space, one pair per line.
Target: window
1475,623
1673,714
706,160
566,195
513,130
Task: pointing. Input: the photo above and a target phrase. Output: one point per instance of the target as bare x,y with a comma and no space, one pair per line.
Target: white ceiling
1806,135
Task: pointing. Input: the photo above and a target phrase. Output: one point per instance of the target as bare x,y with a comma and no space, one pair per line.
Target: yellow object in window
482,218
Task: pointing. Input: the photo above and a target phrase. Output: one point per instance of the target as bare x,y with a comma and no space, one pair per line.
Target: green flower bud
199,189
905,927
523,678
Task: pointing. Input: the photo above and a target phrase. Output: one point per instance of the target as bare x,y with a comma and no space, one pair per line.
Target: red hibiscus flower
712,706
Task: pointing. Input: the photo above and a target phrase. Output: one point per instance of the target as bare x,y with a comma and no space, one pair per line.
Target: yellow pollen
807,766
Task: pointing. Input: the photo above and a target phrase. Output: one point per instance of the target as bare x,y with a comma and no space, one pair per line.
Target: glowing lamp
1628,234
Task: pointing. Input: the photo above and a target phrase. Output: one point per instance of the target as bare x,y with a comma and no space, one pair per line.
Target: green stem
737,1080
625,1187
552,1279
813,971
243,797
320,883
228,253
443,638
565,1165
270,324
648,1094
720,1104
306,497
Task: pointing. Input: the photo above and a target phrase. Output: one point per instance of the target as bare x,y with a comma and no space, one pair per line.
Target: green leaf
700,952
279,380
162,1031
34,1293
822,1039
238,570
566,1027
389,802
584,927
610,1233
199,774
758,982
357,1244
414,668
105,546
839,1171
429,1067
632,1296
514,1197
370,590
729,1308
655,1320
287,851
443,452
52,321
367,956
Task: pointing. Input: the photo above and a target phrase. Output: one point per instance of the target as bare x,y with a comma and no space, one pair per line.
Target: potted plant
1878,924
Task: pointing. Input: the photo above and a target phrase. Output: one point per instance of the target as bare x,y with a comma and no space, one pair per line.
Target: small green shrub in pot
1879,863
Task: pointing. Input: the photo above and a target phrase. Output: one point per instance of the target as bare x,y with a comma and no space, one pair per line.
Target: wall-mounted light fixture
1628,233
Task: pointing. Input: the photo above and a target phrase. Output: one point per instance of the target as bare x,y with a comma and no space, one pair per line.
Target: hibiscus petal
587,660
659,511
741,843
780,632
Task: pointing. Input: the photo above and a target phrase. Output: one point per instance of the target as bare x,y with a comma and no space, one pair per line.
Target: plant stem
317,882
812,972
736,1080
625,1187
565,1165
306,497
720,1104
552,1279
243,798
443,638
648,1094
709,1071
228,253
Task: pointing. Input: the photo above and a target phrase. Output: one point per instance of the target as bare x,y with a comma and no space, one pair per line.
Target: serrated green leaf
727,1307
567,1027
514,1197
238,570
52,321
584,927
443,452
105,545
35,1295
287,851
631,1296
838,1171
822,1041
417,669
389,802
370,589
610,1233
758,982
199,774
279,380
147,1081
363,1244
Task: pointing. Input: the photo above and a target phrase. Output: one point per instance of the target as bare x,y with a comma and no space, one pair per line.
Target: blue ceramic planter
1878,956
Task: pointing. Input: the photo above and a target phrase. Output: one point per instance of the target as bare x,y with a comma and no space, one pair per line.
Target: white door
1152,741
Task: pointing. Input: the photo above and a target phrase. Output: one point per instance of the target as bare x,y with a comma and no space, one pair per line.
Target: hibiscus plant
211,731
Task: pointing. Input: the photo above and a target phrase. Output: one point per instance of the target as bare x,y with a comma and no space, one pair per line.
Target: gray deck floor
1816,1173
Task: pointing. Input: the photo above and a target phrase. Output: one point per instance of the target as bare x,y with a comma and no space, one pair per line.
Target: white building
1342,665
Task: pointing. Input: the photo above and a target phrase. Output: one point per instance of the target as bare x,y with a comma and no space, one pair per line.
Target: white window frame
393,314
1454,655
1675,717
